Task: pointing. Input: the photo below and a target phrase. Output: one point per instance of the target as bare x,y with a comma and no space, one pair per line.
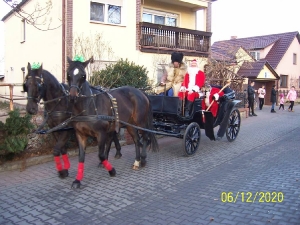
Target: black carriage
168,119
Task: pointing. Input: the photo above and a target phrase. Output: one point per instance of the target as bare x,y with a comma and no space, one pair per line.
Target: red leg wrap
107,165
80,171
57,163
66,161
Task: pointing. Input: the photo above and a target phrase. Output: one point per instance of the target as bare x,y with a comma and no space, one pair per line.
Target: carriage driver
173,76
194,79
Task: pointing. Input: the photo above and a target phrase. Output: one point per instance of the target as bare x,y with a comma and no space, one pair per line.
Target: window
283,81
266,75
295,59
255,55
158,17
107,11
23,26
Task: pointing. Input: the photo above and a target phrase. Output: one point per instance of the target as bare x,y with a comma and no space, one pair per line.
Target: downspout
63,78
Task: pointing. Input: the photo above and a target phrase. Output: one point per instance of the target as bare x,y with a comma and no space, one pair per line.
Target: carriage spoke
233,126
191,139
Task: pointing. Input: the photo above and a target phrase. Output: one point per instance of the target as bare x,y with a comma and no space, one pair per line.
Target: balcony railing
157,38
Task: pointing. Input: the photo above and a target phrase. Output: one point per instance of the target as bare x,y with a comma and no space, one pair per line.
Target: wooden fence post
11,101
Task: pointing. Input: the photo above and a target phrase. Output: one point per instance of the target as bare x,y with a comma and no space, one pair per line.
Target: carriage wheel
191,139
233,126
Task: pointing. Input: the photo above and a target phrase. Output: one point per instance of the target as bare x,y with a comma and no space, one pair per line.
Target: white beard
192,71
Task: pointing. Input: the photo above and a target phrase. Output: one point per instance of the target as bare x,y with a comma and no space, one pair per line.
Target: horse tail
152,138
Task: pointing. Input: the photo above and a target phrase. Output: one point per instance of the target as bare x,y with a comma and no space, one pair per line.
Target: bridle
40,86
78,88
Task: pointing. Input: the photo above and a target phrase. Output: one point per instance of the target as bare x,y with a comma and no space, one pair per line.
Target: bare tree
39,17
224,63
94,46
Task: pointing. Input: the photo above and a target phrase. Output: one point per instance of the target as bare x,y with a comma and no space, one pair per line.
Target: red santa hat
194,62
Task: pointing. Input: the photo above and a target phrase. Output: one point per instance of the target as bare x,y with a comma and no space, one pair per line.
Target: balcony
156,38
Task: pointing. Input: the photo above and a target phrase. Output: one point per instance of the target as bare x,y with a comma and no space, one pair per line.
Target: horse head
76,75
34,86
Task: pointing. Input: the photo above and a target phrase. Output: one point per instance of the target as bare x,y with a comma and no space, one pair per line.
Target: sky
249,18
241,18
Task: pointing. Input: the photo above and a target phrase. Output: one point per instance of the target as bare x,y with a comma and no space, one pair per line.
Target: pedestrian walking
281,101
261,96
291,96
251,91
273,99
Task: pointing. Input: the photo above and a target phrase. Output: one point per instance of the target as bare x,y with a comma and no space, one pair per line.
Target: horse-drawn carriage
168,119
94,113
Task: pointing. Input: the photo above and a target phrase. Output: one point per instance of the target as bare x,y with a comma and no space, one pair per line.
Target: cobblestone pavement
261,169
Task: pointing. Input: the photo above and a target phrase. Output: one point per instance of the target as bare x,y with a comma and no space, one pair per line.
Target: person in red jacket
194,79
213,94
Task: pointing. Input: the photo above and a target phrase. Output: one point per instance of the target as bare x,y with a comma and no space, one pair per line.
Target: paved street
253,180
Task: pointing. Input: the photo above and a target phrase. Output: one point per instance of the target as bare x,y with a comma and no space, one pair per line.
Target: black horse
97,117
41,84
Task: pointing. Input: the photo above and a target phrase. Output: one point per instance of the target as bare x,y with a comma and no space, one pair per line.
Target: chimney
233,37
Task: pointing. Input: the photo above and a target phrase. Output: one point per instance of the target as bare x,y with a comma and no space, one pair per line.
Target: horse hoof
135,167
63,173
118,156
76,184
113,172
143,164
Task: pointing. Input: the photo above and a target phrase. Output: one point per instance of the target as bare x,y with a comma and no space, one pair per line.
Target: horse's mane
99,88
50,75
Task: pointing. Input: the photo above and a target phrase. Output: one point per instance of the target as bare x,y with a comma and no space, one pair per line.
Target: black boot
188,108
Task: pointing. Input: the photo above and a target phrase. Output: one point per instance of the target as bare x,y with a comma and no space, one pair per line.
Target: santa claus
193,81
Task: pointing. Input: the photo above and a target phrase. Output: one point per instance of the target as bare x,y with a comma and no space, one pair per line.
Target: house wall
286,66
39,46
265,51
187,18
241,56
46,46
265,73
122,38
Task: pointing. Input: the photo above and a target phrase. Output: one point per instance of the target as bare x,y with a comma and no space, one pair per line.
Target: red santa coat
215,106
192,82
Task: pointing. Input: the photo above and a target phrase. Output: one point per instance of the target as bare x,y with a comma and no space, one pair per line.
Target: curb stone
32,161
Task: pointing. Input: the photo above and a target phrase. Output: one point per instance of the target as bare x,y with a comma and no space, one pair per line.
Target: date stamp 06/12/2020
251,197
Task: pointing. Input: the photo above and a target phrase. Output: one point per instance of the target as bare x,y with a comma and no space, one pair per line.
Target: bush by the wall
14,132
120,74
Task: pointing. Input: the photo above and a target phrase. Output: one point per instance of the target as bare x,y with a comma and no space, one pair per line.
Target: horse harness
114,108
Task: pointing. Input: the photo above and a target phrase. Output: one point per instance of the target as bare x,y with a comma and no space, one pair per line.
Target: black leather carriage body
164,104
170,105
